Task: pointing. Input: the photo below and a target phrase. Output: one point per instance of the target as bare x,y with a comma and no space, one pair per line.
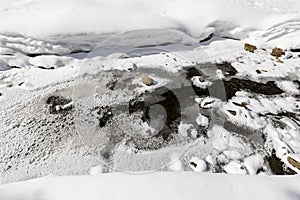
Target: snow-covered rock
197,164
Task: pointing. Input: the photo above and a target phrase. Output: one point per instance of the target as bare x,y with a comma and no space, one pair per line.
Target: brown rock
249,47
294,162
258,71
243,104
232,112
278,60
277,52
147,80
201,79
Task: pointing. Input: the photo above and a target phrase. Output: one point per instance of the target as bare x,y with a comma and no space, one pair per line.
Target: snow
33,17
288,86
253,163
197,81
175,163
197,164
235,167
160,185
202,120
96,170
72,48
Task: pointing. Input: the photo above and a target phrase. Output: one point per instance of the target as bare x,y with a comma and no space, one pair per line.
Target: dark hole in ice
193,164
297,82
46,68
233,85
105,114
169,102
276,165
207,38
227,69
295,50
190,73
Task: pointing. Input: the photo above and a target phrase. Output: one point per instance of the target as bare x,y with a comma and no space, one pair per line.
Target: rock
147,80
258,71
249,47
293,162
232,112
197,164
201,79
243,104
278,60
277,52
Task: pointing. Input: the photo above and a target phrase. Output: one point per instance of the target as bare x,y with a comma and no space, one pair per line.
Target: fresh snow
186,185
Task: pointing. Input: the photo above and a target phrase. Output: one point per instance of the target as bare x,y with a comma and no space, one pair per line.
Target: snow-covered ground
183,185
73,100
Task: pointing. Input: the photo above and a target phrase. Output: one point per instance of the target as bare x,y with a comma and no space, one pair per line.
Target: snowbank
40,18
155,186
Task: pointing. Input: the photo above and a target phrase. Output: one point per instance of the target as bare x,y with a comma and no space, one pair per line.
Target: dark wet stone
58,105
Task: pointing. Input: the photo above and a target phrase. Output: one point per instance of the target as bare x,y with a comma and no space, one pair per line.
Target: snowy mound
40,18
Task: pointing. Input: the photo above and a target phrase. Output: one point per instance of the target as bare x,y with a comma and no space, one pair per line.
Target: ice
93,54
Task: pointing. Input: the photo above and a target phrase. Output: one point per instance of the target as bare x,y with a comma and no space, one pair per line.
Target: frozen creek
209,116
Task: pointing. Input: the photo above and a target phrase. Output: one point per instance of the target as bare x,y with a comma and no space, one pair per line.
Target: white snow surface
42,18
160,185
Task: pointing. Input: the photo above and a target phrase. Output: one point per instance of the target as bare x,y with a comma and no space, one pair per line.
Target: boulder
147,80
249,47
277,52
